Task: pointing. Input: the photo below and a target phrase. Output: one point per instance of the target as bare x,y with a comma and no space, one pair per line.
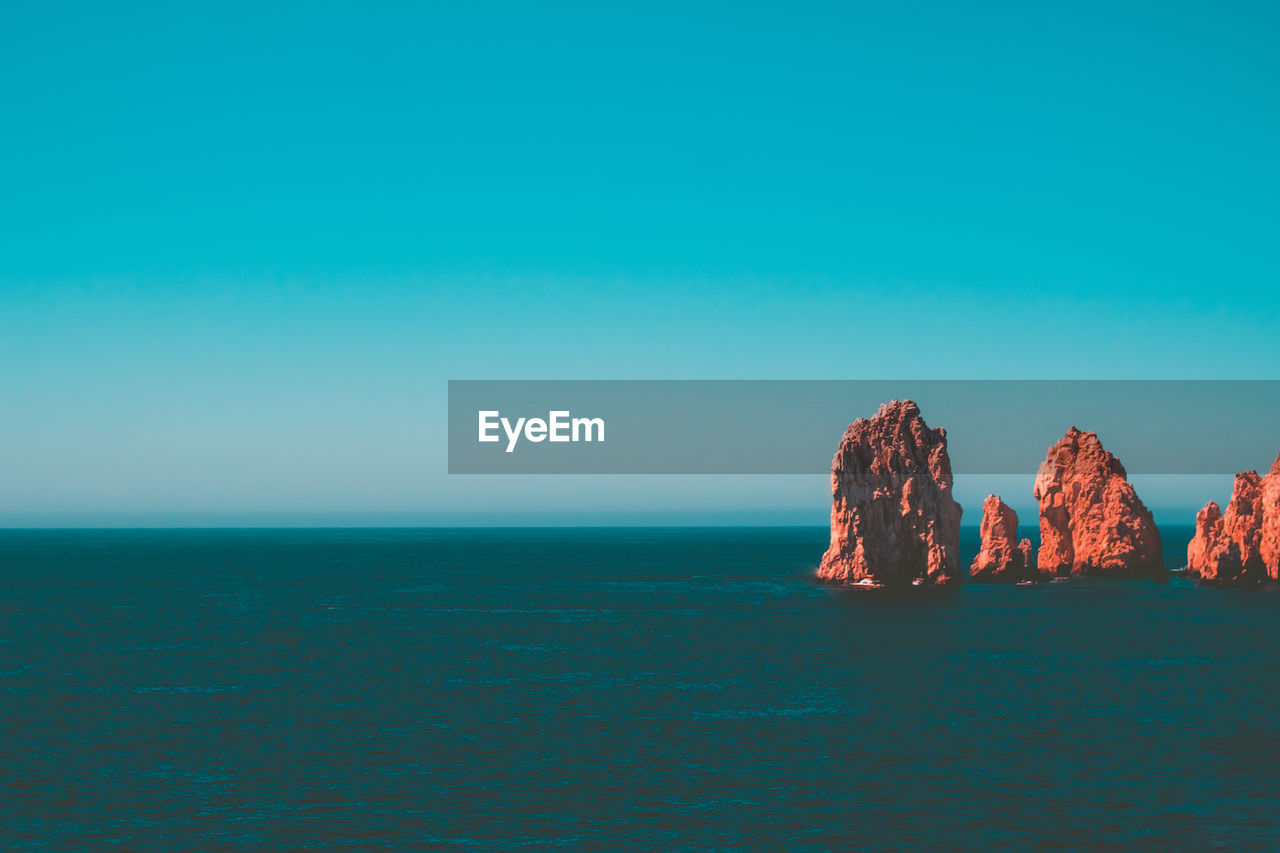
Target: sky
243,246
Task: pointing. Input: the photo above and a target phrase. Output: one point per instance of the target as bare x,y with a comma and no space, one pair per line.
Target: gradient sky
243,249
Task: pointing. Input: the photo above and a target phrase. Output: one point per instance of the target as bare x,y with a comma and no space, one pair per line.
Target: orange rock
1091,519
999,558
1242,522
1028,554
893,516
1242,545
1211,554
1269,541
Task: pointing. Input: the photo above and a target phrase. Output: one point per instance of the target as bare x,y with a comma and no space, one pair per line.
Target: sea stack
1212,555
1001,556
1028,554
1242,545
1269,547
1091,520
894,520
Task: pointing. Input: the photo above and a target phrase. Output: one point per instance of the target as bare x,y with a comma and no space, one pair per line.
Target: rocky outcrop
1212,555
1028,554
893,517
1001,556
1242,522
1091,520
1242,545
1269,544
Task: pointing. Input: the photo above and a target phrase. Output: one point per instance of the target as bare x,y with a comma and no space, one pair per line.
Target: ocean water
613,689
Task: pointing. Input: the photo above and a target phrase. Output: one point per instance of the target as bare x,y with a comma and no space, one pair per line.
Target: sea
614,689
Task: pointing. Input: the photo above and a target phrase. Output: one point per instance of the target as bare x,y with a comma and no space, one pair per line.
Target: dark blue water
613,689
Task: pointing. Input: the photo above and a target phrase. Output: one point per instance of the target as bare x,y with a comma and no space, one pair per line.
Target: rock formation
1001,556
1242,522
1242,545
1028,554
1091,520
1269,547
893,517
1212,555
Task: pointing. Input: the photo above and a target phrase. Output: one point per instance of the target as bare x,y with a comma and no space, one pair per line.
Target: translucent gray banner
793,426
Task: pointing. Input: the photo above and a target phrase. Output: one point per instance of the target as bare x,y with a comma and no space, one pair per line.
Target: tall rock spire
893,517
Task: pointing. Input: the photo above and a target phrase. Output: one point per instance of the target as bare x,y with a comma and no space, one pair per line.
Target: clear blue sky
243,248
